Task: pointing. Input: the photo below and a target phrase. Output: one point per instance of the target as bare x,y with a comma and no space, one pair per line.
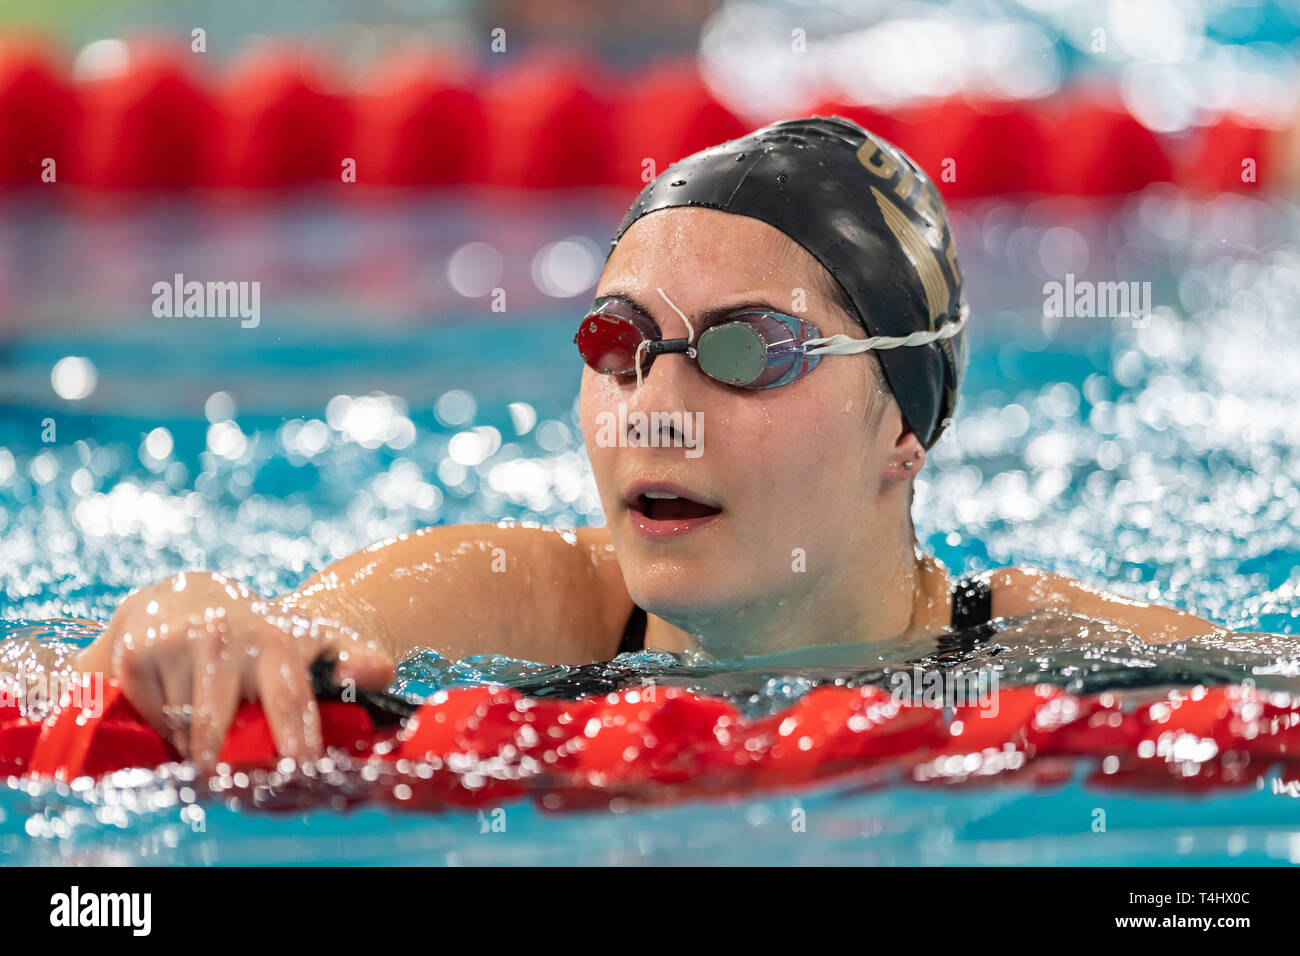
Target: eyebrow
704,318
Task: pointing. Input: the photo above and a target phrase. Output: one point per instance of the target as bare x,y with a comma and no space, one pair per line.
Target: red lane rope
476,746
273,118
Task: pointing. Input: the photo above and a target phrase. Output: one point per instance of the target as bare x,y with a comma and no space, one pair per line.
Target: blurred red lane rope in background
550,120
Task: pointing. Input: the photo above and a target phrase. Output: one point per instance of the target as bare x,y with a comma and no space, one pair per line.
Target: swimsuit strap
634,632
972,604
972,611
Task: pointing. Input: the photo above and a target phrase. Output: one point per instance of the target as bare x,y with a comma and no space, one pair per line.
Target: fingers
176,675
189,654
217,680
287,699
138,673
158,681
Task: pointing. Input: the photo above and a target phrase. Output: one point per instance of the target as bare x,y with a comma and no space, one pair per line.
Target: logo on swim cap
920,226
918,253
919,223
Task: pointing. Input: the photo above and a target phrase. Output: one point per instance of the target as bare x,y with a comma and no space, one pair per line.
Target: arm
473,589
1018,591
204,642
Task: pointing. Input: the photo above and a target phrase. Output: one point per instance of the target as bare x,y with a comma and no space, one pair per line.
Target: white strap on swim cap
840,344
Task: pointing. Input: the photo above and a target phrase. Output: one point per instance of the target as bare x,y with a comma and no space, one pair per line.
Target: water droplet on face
739,157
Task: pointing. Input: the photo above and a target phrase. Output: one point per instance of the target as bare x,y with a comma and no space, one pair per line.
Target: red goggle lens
608,343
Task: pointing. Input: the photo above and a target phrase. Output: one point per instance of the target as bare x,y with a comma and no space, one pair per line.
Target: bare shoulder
1023,590
607,578
597,552
587,603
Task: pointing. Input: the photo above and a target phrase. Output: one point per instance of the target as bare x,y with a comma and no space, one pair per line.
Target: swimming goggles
751,348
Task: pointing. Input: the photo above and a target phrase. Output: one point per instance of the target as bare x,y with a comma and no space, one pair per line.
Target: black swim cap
868,214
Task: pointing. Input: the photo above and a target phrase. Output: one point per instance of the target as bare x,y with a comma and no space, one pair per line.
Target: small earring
907,465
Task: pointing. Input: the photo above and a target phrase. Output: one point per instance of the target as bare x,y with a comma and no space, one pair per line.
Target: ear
907,457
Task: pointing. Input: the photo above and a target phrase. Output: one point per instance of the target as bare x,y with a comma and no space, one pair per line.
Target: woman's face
790,485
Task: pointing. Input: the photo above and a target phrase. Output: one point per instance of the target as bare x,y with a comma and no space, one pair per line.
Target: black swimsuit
972,605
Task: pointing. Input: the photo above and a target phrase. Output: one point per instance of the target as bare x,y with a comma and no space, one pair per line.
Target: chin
676,590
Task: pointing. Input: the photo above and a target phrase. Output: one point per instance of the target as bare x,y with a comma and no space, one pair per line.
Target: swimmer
797,293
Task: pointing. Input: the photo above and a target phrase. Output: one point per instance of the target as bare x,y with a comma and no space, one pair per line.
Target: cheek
816,452
598,393
587,404
591,401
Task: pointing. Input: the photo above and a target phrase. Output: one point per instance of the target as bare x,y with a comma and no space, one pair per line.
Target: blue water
828,825
1158,460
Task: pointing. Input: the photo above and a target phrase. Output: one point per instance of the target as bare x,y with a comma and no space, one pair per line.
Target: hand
201,643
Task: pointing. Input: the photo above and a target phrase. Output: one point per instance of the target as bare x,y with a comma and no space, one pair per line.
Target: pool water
1157,458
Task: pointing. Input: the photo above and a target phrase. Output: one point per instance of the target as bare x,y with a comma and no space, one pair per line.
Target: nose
671,379
672,384
678,335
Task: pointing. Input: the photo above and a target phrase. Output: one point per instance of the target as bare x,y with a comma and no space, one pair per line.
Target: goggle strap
840,344
641,349
690,330
674,345
659,347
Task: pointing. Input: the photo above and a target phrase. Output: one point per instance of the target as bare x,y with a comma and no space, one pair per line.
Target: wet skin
810,541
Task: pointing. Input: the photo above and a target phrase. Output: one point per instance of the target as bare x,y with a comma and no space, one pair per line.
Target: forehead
722,249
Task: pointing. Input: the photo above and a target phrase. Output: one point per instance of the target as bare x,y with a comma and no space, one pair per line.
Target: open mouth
663,506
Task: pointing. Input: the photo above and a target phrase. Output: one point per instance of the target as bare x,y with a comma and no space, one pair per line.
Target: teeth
661,495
